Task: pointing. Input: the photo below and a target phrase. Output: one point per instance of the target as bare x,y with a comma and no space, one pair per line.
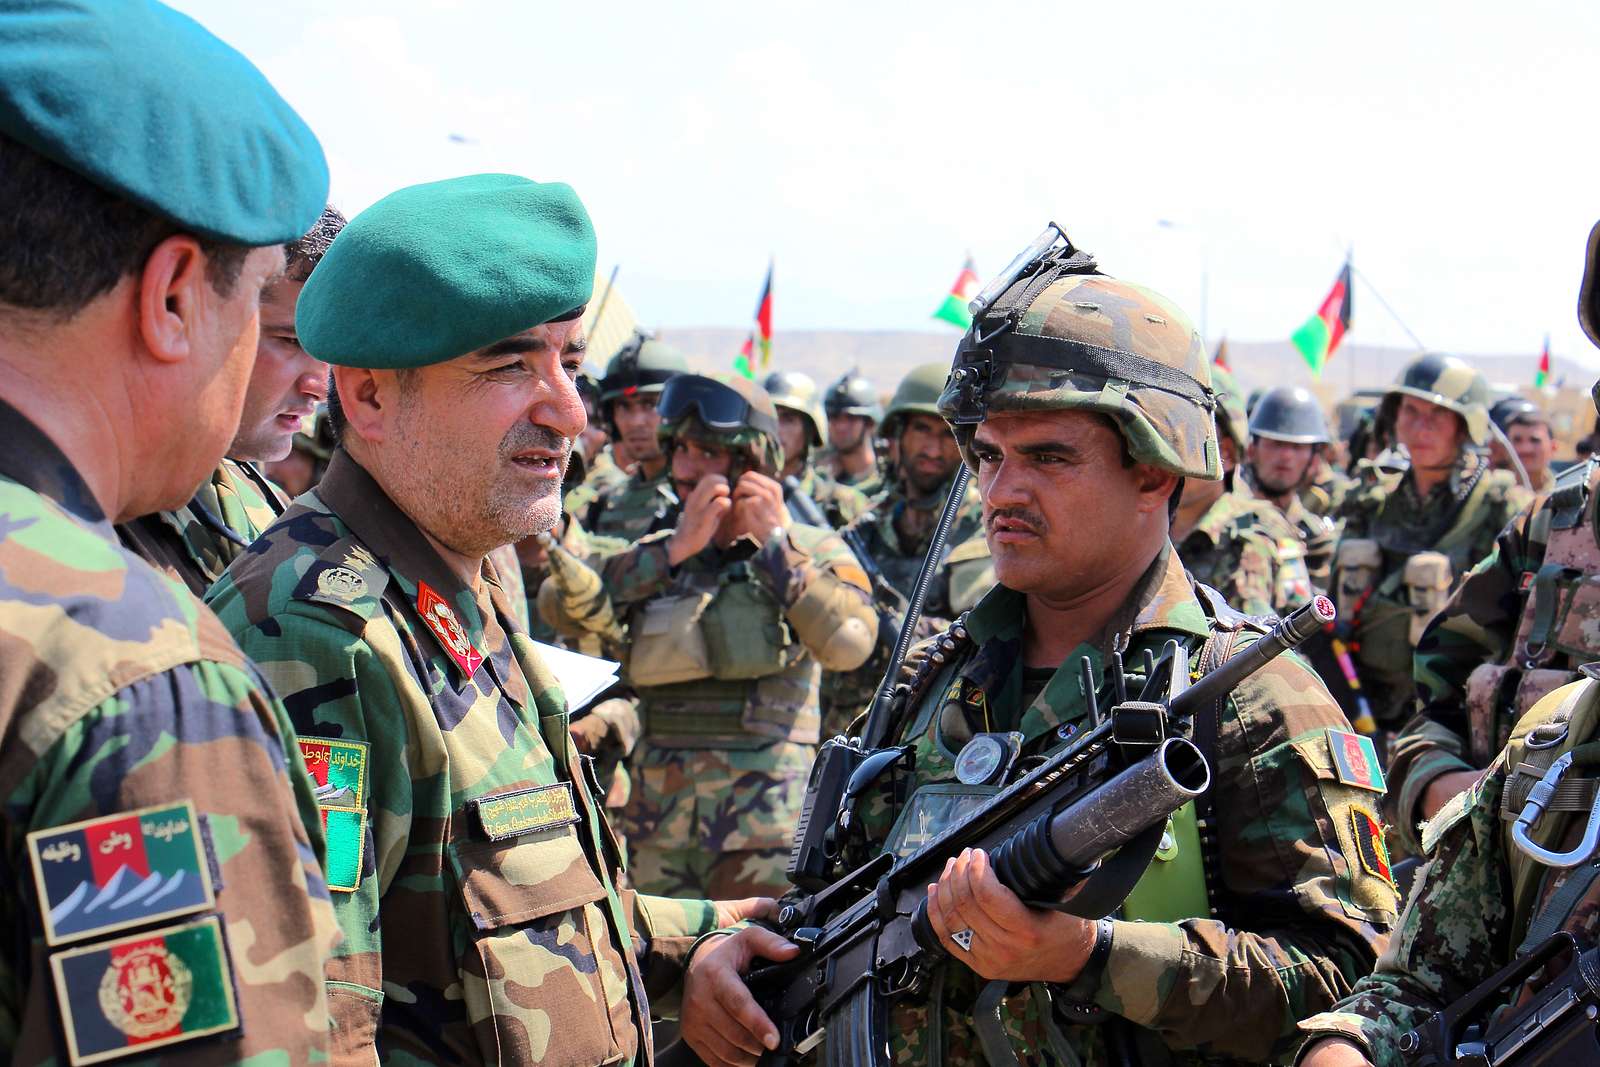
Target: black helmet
641,366
853,395
1509,409
1289,413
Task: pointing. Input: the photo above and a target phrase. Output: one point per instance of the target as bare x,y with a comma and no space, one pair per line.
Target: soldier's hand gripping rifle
1554,1026
1083,823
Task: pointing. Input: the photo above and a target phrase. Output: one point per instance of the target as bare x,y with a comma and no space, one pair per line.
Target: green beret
435,271
147,104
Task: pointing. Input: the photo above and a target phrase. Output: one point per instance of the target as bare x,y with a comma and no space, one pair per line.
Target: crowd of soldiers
287,501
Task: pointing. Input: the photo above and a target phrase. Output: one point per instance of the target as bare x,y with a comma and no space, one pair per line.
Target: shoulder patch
119,871
1373,853
346,576
339,769
139,993
1355,760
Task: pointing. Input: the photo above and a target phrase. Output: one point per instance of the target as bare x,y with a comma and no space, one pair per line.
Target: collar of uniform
29,458
1465,467
355,496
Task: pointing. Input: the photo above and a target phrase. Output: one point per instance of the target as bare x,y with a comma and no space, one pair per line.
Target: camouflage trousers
696,872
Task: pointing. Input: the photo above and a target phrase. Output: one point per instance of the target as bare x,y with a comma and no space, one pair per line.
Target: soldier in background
149,178
631,508
800,431
854,412
1288,436
731,617
1480,899
594,444
1077,467
1238,545
1528,429
196,542
308,457
1409,537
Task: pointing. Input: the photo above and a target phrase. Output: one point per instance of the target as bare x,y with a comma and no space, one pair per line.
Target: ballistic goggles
718,406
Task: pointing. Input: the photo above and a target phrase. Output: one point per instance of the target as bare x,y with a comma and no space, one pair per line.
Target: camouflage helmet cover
1289,413
1449,382
853,395
1232,415
917,394
758,442
1062,336
797,392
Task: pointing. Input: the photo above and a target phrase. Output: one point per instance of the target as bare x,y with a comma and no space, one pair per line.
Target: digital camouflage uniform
186,544
473,872
1246,550
1298,918
1519,626
1387,521
123,694
1292,915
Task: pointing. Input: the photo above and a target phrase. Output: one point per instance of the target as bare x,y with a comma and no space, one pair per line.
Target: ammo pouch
1427,578
668,645
1497,696
1355,569
744,631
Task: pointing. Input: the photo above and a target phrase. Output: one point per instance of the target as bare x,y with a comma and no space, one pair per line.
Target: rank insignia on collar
441,619
1355,761
118,871
139,993
338,769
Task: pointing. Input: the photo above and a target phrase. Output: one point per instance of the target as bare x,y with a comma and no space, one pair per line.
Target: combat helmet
640,368
1289,413
1232,415
1052,333
1449,382
917,394
1509,409
797,392
853,395
730,411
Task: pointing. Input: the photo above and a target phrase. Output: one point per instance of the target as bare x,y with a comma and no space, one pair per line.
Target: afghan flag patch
339,769
119,871
1355,760
136,994
1369,844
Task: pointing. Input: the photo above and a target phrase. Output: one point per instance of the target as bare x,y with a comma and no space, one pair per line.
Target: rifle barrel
1293,629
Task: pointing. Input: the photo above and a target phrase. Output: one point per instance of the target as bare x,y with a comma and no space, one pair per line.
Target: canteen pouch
745,634
1427,580
669,642
1356,567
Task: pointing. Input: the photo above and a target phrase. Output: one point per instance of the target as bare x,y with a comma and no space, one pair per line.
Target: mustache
1032,520
525,436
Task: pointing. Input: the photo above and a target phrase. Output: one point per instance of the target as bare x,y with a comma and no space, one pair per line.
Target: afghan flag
1542,375
741,363
762,338
1323,331
1220,358
954,309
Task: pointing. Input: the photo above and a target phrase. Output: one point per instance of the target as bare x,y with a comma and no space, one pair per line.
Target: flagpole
600,309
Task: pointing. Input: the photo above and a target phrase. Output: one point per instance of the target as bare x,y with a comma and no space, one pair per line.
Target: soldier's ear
169,297
1157,488
364,395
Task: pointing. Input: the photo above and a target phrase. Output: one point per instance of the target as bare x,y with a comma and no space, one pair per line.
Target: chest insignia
439,618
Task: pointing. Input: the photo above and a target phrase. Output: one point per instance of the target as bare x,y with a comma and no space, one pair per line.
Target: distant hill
885,355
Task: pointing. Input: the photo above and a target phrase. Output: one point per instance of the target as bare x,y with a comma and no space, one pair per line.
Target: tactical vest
716,665
1560,624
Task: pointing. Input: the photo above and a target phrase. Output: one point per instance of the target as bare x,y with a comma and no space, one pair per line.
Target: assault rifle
1087,818
1555,1026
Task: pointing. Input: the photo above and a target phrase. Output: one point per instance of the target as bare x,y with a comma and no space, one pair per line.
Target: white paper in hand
582,677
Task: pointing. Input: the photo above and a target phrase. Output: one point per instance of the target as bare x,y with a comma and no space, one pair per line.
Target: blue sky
868,147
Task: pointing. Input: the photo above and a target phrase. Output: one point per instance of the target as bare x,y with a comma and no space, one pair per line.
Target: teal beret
147,104
435,271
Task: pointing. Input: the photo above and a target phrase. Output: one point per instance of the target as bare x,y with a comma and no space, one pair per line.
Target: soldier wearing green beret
731,616
800,431
164,893
474,874
196,542
1083,408
853,411
631,508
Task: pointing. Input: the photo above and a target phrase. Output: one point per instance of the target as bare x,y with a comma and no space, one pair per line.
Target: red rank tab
447,628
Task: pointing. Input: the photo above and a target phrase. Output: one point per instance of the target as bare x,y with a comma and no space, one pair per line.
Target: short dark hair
302,256
336,420
64,240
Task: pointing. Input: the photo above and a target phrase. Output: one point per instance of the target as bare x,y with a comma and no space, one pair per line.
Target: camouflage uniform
124,694
1287,860
1318,536
468,852
602,476
1325,494
1388,519
1246,550
840,504
1491,653
186,543
854,395
1288,915
632,508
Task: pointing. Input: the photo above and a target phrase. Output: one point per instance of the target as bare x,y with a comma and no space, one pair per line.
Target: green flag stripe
954,311
1312,341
